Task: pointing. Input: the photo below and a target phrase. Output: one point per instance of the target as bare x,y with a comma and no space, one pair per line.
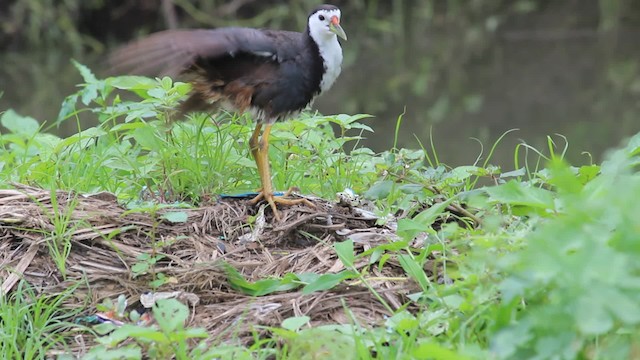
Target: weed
31,324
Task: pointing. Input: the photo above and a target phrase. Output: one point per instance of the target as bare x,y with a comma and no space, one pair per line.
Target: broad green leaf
127,331
158,93
428,349
146,136
18,124
414,270
591,314
132,82
176,216
192,333
307,277
379,190
260,287
83,138
295,323
587,173
170,314
88,94
86,74
345,253
515,173
101,352
67,108
461,173
409,228
516,193
328,281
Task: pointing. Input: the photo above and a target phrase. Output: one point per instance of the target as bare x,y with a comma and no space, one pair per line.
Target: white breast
331,54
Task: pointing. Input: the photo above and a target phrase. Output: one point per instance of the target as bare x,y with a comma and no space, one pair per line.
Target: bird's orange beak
335,27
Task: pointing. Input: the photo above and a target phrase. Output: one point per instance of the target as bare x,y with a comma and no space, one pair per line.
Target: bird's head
324,22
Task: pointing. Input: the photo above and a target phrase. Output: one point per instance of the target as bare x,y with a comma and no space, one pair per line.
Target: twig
20,269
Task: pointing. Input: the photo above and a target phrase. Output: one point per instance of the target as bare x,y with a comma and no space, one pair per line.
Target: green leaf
176,216
414,270
82,138
132,82
516,193
157,93
433,351
17,124
260,287
101,352
409,228
86,74
146,136
295,323
515,173
195,333
328,281
67,108
345,253
588,173
592,316
462,173
379,190
170,314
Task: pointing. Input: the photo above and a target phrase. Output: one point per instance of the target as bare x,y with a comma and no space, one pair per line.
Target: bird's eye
321,17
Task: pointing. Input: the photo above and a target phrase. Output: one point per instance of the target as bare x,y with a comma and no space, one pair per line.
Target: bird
271,74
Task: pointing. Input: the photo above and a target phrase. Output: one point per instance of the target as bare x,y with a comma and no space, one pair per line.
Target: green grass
31,325
549,272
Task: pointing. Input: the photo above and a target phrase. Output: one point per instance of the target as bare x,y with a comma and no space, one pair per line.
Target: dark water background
458,72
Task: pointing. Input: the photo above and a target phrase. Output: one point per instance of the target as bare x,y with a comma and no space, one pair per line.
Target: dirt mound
107,242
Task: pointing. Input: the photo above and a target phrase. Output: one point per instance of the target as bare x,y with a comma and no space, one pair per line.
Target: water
581,84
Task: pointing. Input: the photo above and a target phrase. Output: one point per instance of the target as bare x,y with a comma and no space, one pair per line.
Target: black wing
174,51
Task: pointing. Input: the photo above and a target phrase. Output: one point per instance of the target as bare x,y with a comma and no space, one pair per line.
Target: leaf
86,74
587,173
67,108
146,136
514,173
100,352
345,253
176,216
516,193
83,138
409,228
411,188
18,124
433,351
295,323
307,277
132,82
170,314
157,93
195,333
414,270
462,173
379,190
328,281
591,315
260,287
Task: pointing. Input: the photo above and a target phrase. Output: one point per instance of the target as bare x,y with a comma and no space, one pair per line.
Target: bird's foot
273,200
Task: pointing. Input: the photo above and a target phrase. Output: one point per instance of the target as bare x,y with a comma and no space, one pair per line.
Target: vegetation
538,263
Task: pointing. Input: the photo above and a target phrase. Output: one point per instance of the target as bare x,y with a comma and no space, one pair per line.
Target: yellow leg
260,151
253,141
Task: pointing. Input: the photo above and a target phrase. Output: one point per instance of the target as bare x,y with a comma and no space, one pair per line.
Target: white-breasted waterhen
271,74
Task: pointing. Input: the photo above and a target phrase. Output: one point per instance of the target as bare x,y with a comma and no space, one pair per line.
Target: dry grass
106,241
